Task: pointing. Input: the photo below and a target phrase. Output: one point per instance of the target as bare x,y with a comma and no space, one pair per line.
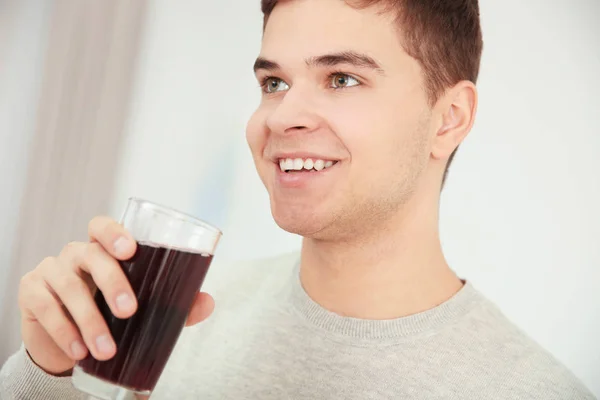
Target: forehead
298,29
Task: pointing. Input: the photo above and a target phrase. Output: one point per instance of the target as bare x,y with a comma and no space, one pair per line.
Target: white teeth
298,164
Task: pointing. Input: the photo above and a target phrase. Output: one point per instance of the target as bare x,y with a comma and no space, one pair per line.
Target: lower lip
301,178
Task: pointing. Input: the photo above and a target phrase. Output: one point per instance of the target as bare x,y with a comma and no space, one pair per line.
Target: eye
341,80
274,85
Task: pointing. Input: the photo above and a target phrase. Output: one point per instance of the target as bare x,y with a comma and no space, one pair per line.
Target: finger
77,299
202,308
117,241
105,272
43,306
110,280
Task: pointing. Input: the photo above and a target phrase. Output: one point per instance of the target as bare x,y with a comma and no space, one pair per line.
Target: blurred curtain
23,29
86,82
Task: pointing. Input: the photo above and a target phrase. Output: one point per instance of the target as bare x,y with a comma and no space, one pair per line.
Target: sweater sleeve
22,379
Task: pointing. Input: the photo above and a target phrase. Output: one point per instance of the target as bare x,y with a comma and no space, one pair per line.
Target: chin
299,220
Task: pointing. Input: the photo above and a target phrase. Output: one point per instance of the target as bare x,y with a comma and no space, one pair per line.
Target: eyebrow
327,60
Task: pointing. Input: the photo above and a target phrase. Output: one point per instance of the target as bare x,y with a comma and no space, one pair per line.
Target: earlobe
458,114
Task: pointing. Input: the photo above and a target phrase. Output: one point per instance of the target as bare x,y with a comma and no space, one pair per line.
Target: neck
398,270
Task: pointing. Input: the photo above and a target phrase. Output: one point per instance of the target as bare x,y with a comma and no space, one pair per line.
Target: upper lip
301,154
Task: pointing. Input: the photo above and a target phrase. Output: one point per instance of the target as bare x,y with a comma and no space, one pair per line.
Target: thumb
202,308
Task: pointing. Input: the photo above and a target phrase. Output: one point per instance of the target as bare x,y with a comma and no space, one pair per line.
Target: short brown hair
444,36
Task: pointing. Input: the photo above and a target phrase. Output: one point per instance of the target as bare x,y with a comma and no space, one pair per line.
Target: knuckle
48,261
115,279
90,323
39,307
24,294
28,286
94,223
27,280
64,332
103,228
114,283
70,250
101,264
111,283
110,231
90,254
60,331
69,284
47,264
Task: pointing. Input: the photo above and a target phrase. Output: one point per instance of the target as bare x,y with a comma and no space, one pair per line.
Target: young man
364,104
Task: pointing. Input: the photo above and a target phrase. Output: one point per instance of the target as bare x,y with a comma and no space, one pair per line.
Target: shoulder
241,290
516,365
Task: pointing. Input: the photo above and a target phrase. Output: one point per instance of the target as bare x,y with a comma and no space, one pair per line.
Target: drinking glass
174,252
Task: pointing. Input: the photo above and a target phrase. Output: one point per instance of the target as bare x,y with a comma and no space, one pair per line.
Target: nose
296,112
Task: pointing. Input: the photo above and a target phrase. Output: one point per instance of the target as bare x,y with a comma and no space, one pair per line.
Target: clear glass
173,256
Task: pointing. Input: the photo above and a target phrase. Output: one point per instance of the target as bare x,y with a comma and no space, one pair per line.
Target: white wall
519,216
195,90
23,28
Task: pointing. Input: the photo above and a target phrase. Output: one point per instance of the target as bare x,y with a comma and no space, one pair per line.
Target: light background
520,215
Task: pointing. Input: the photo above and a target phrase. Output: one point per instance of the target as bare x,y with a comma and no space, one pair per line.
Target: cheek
380,131
367,126
256,132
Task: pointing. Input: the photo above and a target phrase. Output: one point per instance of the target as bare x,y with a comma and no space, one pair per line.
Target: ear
457,109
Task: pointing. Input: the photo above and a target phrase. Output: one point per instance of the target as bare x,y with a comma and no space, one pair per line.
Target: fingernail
121,246
125,303
105,344
78,349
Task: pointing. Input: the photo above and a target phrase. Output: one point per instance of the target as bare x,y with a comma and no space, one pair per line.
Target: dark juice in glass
165,281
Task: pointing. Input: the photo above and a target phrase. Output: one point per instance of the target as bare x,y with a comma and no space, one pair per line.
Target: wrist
64,374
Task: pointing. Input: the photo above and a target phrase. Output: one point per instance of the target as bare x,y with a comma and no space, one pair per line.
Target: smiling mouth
291,165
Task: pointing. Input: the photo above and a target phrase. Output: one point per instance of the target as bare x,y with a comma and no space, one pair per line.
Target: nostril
296,128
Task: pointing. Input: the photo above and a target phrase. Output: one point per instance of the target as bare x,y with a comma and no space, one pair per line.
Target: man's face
339,88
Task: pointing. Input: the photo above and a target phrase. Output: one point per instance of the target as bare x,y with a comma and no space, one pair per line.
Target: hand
60,322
